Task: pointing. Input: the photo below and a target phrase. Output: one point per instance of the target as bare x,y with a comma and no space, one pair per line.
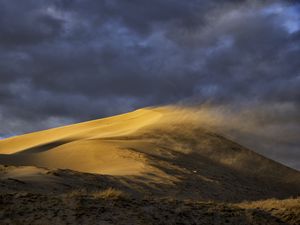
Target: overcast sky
65,61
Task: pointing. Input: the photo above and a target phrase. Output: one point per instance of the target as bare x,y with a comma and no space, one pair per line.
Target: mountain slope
160,151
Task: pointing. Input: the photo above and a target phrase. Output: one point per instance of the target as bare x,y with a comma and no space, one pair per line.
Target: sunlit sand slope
158,150
80,146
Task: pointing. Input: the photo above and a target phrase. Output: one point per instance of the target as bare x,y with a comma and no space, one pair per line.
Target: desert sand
163,152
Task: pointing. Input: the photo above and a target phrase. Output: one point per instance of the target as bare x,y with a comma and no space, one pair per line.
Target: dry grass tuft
287,210
270,203
110,193
76,193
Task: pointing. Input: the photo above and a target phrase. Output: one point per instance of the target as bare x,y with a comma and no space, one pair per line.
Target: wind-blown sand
160,152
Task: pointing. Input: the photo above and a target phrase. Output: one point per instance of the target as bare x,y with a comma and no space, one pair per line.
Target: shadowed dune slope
158,151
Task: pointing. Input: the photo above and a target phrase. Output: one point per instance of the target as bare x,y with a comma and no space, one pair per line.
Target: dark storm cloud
63,61
25,23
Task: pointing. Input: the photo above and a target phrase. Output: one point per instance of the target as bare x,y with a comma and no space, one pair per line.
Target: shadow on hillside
199,177
45,147
27,156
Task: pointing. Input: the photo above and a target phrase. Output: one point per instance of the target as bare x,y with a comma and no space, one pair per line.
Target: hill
157,150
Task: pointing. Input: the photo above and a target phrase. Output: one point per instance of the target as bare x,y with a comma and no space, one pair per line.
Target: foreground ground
113,207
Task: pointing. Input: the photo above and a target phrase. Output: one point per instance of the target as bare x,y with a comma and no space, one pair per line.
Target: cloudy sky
65,61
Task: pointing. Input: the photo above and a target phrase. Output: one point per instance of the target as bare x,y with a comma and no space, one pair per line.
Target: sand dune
157,150
107,127
80,146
